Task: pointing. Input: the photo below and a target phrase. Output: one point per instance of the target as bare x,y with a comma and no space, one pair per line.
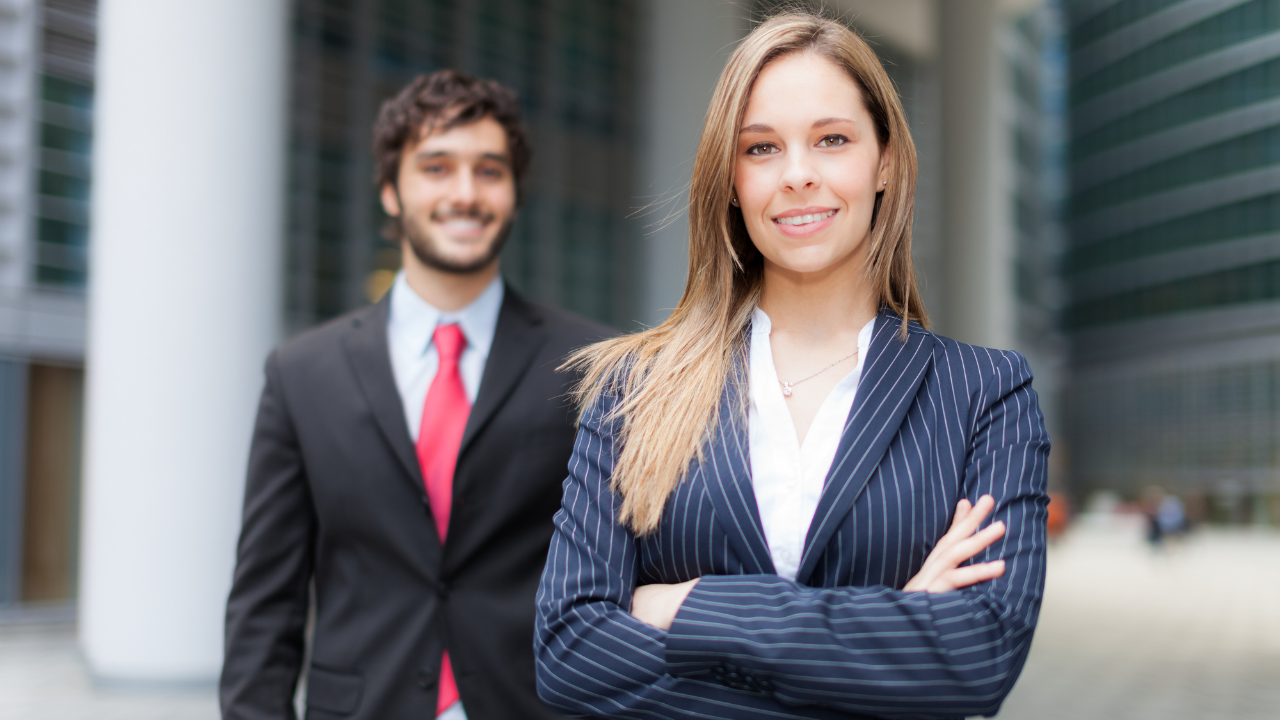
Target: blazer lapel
726,470
890,379
366,345
515,344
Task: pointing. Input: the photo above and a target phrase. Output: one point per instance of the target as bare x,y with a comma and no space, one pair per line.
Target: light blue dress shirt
414,358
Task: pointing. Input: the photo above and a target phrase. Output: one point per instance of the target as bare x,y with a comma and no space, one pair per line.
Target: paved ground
42,678
1125,634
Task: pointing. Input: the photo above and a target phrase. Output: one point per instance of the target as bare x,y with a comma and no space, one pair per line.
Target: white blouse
787,477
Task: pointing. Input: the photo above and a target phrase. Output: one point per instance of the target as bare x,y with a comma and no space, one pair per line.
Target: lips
804,219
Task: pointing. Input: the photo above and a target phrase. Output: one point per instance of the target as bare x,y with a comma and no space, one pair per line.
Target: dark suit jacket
335,496
933,421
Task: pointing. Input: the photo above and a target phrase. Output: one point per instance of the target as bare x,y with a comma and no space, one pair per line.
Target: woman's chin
809,261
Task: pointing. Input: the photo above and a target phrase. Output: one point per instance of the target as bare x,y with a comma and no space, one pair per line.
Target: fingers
979,512
974,518
968,575
962,508
961,543
966,549
967,520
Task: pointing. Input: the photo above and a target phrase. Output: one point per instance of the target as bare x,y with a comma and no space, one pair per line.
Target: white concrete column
184,305
686,44
977,235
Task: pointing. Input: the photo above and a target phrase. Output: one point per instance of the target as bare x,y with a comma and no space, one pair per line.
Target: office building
46,98
1174,265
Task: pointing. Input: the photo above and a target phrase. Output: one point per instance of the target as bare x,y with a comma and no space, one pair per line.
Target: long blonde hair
669,379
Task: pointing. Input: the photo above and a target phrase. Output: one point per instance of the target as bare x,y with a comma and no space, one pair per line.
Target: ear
884,176
390,200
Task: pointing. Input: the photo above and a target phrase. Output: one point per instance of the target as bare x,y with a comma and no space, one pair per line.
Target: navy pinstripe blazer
933,421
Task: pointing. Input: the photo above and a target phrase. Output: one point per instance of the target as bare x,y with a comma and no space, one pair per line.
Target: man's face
455,196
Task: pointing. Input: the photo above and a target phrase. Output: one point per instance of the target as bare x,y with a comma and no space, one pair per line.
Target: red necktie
444,417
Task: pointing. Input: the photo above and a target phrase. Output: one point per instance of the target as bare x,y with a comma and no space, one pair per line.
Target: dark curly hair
443,100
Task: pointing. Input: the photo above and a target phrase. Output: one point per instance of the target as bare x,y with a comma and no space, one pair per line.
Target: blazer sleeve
267,608
592,656
883,651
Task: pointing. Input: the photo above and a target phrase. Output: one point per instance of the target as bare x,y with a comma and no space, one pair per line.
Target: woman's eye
762,149
832,141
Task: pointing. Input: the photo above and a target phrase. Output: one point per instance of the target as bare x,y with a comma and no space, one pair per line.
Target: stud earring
734,201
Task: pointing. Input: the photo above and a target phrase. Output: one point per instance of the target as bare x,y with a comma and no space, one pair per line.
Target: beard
427,247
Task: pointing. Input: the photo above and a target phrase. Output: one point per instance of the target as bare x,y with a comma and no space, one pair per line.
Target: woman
755,524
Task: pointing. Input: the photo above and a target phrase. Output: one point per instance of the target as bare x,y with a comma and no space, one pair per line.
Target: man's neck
446,291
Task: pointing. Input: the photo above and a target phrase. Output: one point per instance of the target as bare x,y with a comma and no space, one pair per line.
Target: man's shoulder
566,328
327,337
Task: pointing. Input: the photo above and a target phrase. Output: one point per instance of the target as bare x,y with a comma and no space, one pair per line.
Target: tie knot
449,342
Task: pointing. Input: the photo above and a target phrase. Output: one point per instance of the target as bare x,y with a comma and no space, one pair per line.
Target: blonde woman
774,501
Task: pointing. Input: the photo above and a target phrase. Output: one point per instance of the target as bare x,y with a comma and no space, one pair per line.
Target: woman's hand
658,604
941,571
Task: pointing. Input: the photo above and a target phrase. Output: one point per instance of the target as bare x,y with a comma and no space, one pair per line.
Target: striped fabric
934,421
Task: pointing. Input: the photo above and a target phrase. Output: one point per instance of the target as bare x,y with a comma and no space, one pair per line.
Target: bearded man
408,457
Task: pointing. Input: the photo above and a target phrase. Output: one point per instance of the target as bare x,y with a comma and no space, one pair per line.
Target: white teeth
804,219
463,225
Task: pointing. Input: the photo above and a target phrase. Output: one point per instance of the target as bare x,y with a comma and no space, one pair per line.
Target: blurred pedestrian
408,456
1152,497
1171,516
788,499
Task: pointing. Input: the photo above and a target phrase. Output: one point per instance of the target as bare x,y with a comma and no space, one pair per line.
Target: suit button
442,590
426,680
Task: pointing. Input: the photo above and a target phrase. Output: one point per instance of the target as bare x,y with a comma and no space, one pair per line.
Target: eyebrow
497,157
762,128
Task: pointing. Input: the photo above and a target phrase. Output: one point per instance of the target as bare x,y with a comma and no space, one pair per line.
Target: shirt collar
413,320
760,323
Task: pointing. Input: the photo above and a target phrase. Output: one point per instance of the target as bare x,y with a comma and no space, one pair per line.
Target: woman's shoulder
973,365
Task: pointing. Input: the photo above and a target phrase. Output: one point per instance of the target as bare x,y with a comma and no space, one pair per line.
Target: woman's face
808,166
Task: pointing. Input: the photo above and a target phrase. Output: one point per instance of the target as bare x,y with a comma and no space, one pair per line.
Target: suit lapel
515,344
726,471
890,379
366,346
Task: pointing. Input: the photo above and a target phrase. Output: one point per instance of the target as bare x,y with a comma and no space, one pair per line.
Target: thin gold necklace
786,386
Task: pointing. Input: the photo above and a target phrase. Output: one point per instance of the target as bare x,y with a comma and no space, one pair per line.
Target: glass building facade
1174,264
1035,59
64,137
46,106
573,65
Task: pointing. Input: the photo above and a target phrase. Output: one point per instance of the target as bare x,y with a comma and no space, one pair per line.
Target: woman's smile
803,222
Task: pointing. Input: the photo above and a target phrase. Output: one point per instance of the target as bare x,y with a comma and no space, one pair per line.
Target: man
408,456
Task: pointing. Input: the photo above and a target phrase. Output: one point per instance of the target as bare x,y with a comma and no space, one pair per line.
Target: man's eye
832,141
762,149
434,169
492,173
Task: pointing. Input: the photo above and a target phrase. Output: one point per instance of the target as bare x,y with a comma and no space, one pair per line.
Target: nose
464,187
799,172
